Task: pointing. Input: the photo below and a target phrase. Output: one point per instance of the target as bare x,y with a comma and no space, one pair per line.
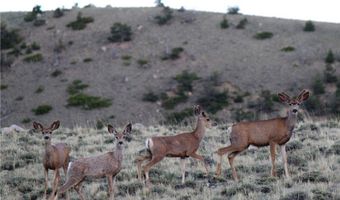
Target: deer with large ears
181,146
270,132
56,156
105,165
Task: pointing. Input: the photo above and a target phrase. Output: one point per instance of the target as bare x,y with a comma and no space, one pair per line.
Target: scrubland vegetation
313,157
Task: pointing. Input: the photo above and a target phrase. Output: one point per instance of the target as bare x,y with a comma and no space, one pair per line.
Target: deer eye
208,120
117,137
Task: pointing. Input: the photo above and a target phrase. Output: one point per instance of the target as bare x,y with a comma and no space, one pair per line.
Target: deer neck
200,129
48,147
291,121
118,153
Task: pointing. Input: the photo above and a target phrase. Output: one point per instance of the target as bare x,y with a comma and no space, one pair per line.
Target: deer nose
46,137
295,110
120,142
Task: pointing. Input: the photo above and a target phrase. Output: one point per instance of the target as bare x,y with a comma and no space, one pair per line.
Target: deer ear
37,126
284,98
55,125
197,110
111,129
303,96
128,128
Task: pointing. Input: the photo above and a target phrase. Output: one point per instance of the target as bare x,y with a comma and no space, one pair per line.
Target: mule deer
270,132
182,145
55,156
108,164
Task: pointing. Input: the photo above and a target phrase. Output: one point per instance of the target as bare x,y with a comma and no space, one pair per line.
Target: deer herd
272,132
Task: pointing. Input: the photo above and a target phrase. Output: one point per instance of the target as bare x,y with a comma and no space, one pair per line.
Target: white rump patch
69,166
148,143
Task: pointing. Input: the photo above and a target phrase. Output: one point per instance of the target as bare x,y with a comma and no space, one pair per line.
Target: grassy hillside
313,157
234,71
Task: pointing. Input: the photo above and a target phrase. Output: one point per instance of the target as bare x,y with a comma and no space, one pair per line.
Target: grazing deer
105,165
55,156
182,146
270,132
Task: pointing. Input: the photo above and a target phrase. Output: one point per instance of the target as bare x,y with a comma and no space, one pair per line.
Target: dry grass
314,157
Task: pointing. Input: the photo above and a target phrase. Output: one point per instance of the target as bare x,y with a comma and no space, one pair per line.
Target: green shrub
120,33
3,87
263,35
34,58
213,101
164,17
150,97
297,195
31,16
9,38
288,49
266,103
126,57
174,54
171,102
56,73
241,115
76,87
35,46
40,89
80,23
309,26
26,120
224,23
87,60
335,148
58,13
243,22
88,102
314,176
336,101
129,188
19,98
318,87
318,194
142,62
233,10
185,80
42,109
313,103
244,188
177,117
330,74
330,57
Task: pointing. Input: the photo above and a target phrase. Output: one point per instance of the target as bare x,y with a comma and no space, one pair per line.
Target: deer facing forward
270,132
105,165
56,156
182,146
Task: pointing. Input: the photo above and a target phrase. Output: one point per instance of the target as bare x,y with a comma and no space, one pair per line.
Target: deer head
202,116
46,132
120,136
294,103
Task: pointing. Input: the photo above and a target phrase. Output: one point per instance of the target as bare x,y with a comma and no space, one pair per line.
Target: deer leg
199,157
231,158
65,172
272,156
182,163
46,183
284,159
77,188
147,167
139,161
221,152
56,180
110,191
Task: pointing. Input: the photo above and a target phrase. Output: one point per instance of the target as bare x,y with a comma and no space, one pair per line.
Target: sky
315,10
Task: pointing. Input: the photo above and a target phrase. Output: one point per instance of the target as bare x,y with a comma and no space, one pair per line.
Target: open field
313,157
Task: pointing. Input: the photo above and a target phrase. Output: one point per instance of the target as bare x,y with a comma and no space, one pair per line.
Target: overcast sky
316,10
